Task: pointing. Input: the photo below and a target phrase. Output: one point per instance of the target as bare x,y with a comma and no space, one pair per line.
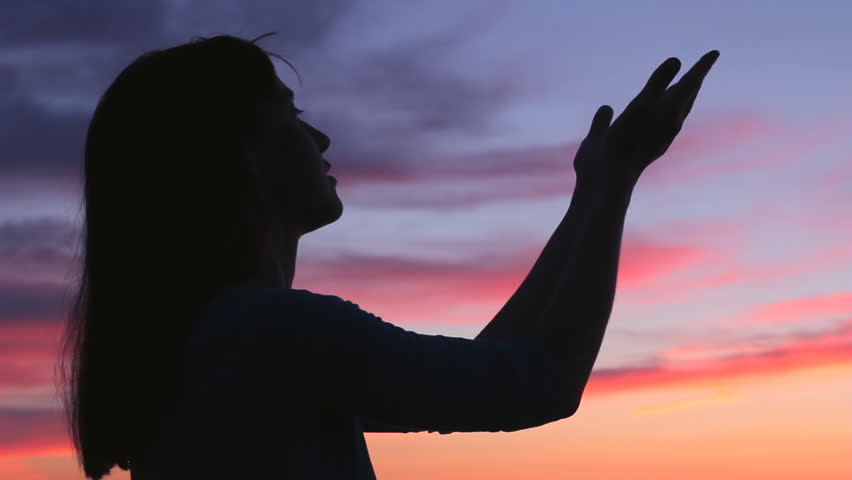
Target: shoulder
272,326
256,310
239,318
259,300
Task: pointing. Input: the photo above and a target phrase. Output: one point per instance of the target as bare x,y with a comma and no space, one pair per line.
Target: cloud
301,26
728,256
28,352
90,22
37,142
37,251
786,147
645,260
430,291
384,108
397,95
800,309
686,160
57,59
22,236
841,174
711,365
31,431
425,179
41,250
31,303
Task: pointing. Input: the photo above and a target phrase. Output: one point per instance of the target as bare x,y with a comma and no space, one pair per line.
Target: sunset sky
453,129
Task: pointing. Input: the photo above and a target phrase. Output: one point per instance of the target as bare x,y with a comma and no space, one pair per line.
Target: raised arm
573,318
520,315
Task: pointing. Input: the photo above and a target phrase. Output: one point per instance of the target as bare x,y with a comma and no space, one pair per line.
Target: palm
649,123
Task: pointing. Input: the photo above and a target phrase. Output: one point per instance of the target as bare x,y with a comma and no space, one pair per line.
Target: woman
193,357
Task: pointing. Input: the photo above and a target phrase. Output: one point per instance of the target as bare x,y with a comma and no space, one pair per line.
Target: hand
646,128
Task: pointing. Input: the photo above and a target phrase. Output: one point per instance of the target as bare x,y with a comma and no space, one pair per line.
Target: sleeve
402,381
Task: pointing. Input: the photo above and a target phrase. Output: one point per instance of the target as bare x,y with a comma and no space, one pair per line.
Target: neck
278,261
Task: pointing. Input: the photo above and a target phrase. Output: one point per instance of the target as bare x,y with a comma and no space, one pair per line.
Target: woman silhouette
193,357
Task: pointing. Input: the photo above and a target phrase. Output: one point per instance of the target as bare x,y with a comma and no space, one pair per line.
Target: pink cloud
429,290
722,263
842,174
711,135
27,354
464,292
787,147
798,309
29,432
643,261
712,364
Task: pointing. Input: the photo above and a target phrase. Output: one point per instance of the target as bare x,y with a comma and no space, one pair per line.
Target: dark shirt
283,383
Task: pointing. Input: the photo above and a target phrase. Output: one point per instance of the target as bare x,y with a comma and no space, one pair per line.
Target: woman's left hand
645,129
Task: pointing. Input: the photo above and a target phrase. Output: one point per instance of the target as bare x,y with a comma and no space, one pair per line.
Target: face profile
291,170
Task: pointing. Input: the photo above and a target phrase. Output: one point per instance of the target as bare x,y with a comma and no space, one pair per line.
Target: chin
326,216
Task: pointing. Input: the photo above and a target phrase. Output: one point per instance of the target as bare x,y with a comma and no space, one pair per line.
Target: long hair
171,216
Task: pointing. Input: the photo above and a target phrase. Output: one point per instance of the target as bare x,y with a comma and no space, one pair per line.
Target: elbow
572,404
571,399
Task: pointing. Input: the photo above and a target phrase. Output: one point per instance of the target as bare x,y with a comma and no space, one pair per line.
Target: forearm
575,320
519,316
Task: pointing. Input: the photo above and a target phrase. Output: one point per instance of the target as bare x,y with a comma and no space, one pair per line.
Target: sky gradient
453,129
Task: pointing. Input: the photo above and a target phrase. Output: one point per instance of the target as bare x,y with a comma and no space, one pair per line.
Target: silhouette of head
288,164
193,155
199,145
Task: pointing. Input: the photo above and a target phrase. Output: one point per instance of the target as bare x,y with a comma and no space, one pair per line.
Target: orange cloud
712,365
721,396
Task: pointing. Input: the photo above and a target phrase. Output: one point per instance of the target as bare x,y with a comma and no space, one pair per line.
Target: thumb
600,122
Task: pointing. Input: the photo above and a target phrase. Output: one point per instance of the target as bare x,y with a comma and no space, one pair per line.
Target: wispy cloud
31,431
420,179
800,309
687,161
712,364
36,250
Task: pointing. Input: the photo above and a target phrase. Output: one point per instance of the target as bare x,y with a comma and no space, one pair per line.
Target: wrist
613,184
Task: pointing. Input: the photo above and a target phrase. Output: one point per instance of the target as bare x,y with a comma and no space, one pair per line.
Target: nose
320,138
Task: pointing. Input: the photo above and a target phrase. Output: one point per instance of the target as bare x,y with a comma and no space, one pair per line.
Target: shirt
283,383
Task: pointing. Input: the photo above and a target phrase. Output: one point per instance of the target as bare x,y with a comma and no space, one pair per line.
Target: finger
600,122
660,79
692,79
683,107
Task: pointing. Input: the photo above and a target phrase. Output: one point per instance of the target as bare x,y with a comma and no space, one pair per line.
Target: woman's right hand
647,126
